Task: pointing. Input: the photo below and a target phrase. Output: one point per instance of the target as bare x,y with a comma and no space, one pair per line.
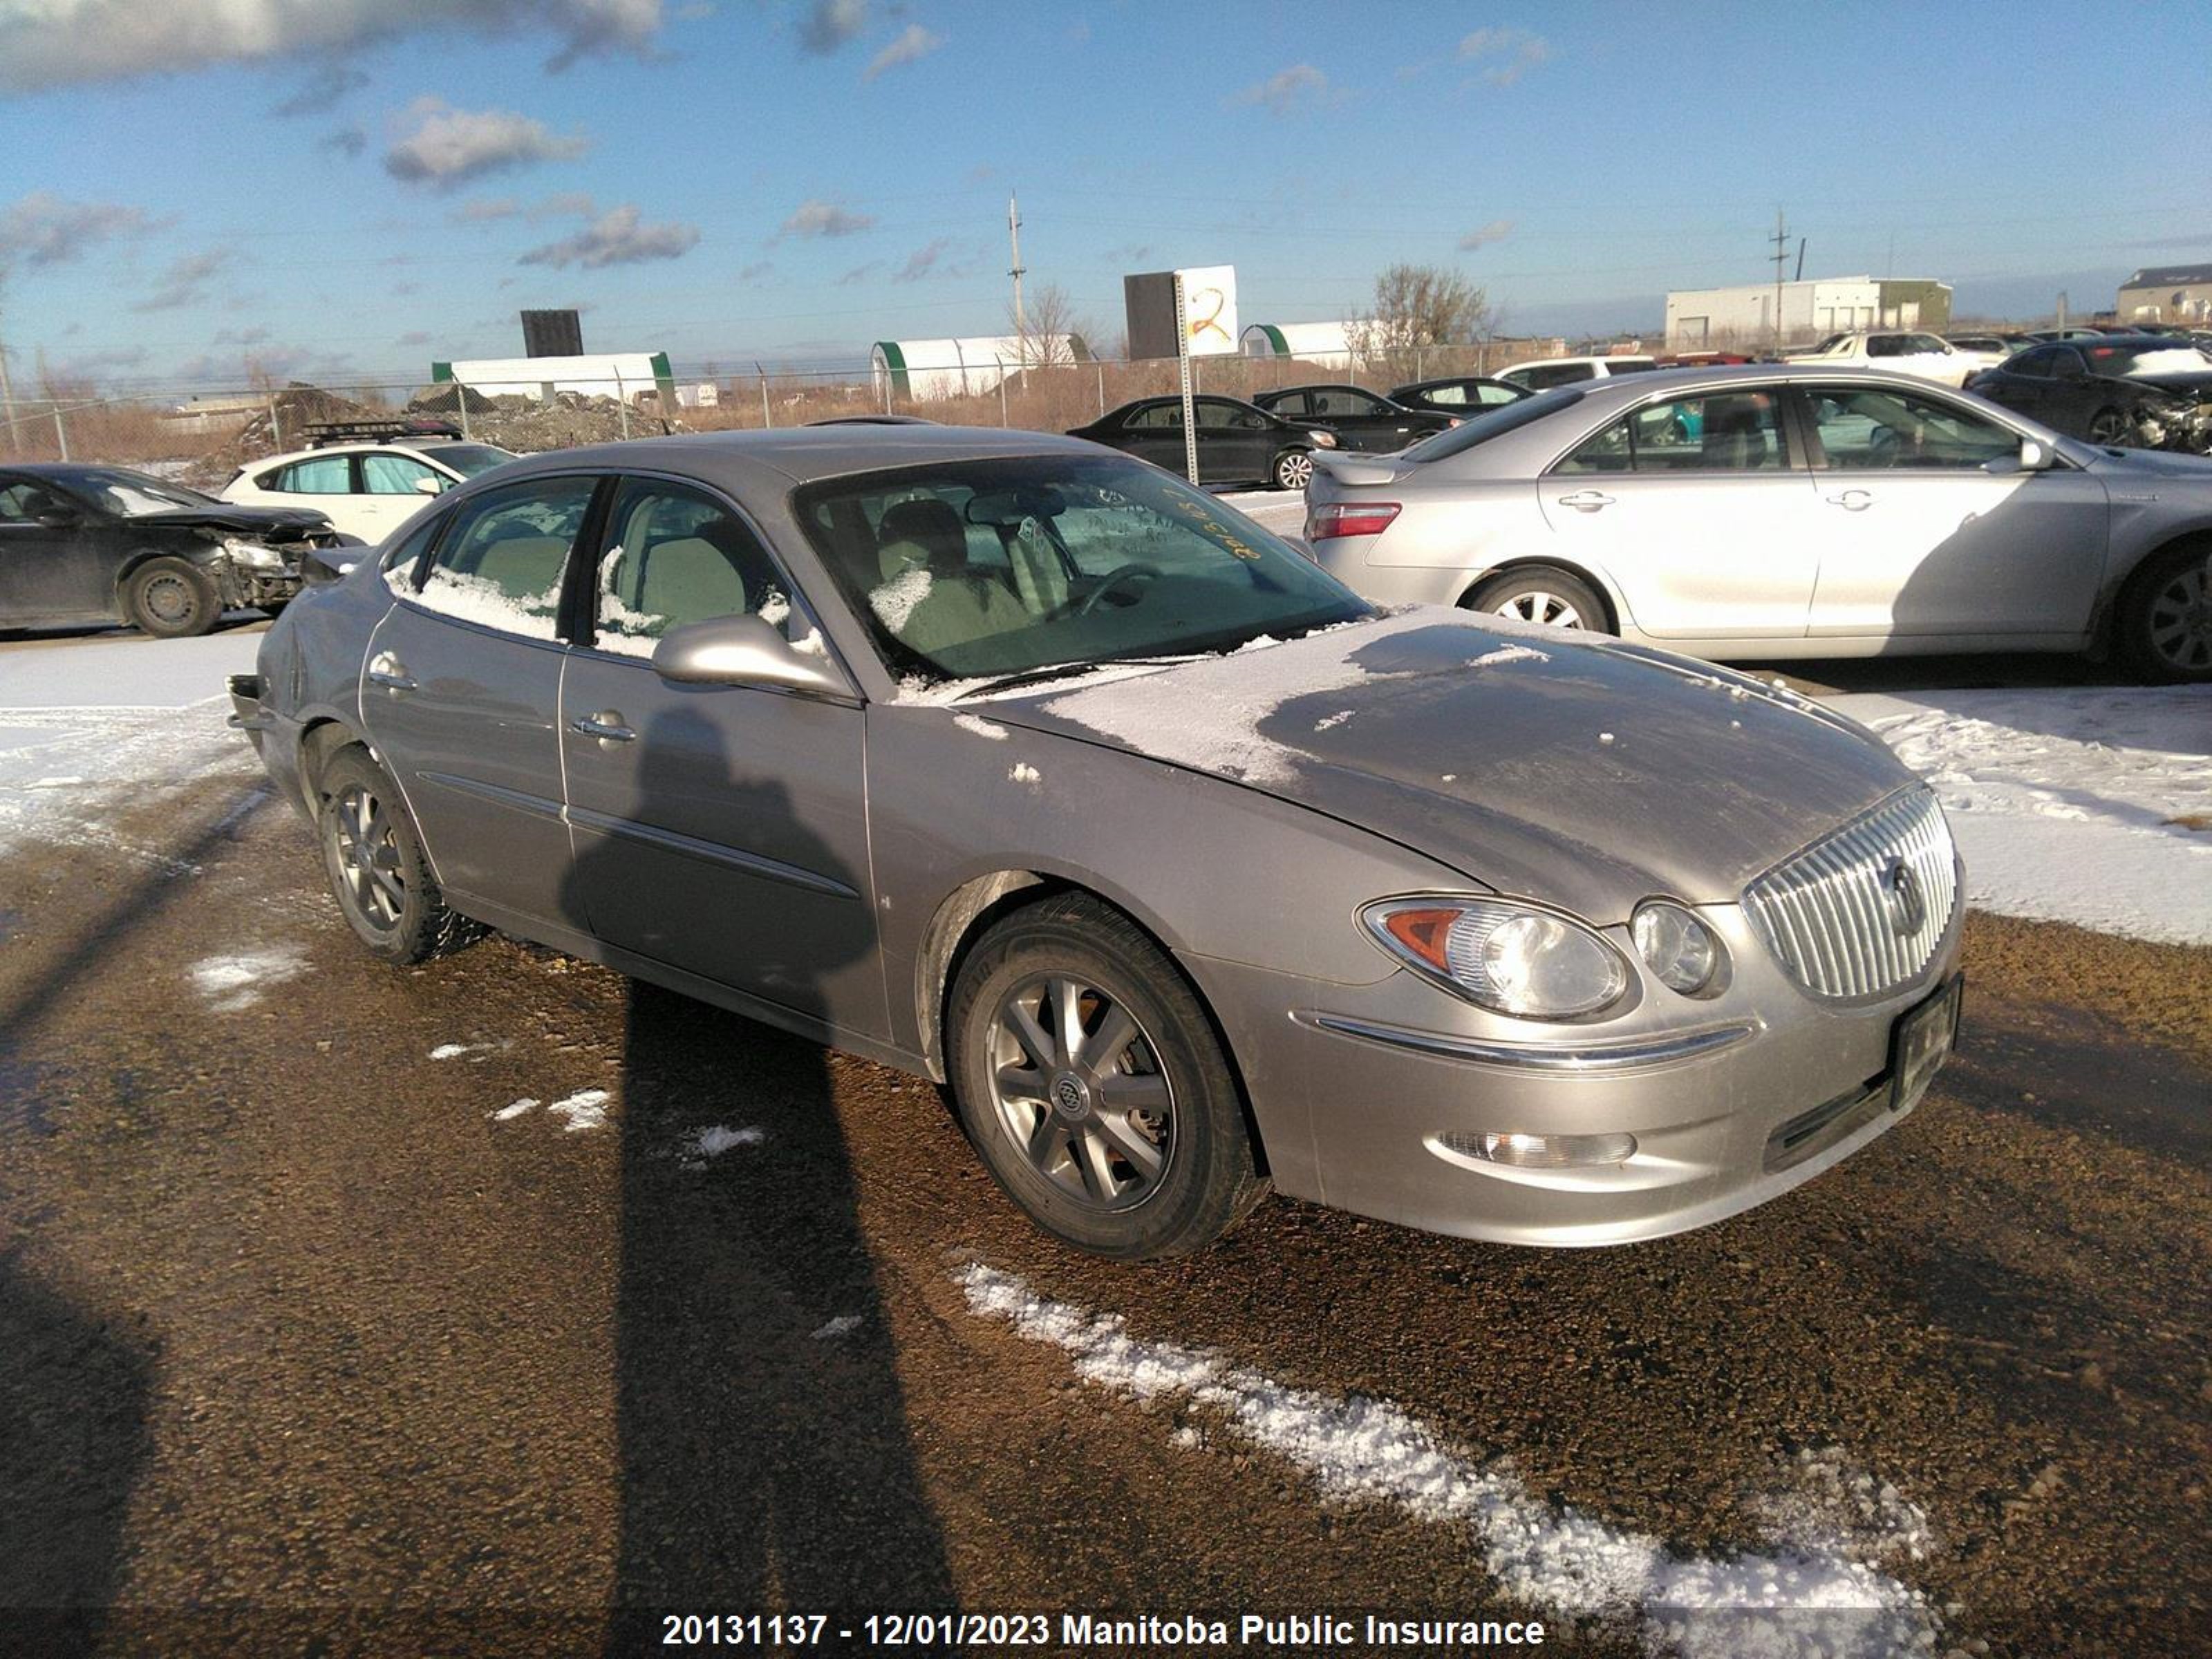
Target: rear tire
1540,593
1125,1136
374,856
2163,622
171,599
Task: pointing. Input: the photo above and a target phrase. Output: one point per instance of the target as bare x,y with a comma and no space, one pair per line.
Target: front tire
171,599
1540,593
374,856
1293,469
2108,428
1090,1080
2164,618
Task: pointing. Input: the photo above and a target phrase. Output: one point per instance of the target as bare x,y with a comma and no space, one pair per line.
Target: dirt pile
297,407
527,426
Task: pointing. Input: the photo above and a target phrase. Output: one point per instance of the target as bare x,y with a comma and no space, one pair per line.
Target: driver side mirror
740,650
2034,455
431,486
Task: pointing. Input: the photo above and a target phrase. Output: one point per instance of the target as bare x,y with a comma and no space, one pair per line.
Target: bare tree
1415,307
1047,327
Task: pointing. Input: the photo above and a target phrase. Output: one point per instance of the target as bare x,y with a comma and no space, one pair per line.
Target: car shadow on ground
764,1458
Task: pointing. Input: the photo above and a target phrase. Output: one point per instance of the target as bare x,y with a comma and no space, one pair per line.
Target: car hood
1561,767
283,522
2150,463
2181,385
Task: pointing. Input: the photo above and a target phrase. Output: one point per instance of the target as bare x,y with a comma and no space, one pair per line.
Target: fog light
1543,1151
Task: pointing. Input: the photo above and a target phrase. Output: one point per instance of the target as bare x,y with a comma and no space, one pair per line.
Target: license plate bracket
1921,1041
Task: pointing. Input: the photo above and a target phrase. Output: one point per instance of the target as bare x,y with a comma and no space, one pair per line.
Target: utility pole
1014,237
1781,258
7,397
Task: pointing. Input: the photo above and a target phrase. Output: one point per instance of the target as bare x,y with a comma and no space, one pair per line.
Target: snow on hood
1560,766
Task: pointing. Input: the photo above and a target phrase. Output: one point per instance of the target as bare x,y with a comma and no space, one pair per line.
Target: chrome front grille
1860,914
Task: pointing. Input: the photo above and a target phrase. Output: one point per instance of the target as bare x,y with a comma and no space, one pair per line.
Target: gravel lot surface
343,1308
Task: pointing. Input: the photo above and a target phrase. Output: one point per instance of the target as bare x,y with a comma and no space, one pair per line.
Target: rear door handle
388,671
1586,501
606,725
1852,500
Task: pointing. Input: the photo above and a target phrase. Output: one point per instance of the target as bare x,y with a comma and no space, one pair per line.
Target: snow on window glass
501,565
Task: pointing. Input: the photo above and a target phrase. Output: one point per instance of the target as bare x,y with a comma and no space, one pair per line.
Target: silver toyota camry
1780,511
1016,763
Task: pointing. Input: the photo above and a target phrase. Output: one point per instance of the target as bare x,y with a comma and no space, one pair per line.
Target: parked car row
869,733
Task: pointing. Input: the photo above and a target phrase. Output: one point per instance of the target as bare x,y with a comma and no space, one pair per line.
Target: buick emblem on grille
1900,890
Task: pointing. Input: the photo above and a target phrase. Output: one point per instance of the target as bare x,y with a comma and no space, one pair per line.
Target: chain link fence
204,437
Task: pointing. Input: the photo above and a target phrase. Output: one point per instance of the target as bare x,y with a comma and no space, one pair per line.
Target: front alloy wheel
1293,469
2170,618
2108,428
1079,1091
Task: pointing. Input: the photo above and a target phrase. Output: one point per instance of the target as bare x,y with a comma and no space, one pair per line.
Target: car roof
799,454
75,472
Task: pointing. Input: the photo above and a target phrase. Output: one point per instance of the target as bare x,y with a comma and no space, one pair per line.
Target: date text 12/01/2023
1274,1632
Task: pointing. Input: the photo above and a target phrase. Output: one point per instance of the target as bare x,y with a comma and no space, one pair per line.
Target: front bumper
1356,1089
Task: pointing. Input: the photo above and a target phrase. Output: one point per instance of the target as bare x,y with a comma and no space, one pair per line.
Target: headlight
252,554
1510,957
1324,439
1682,953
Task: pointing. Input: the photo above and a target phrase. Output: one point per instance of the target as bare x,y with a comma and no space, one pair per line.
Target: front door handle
388,671
1587,500
606,725
1852,500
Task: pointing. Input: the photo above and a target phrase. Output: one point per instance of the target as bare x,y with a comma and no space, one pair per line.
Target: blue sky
353,187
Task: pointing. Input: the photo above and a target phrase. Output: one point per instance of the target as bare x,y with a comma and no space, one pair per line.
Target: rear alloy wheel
1293,469
377,870
171,599
2166,616
2108,427
1539,593
1091,1081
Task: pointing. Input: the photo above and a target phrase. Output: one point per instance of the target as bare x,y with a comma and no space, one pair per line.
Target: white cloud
617,237
185,282
912,43
1483,236
830,24
816,218
43,229
48,43
1512,53
1297,87
451,146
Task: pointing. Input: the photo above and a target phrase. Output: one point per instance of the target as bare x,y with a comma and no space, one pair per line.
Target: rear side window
323,475
500,563
395,475
1720,432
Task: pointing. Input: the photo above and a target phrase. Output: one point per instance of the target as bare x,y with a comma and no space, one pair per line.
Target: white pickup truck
1899,351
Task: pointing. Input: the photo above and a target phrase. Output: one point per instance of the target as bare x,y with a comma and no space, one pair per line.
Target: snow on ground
235,981
90,723
2087,805
1798,1600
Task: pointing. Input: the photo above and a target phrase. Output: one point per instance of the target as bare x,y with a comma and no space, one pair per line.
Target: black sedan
98,543
1237,442
1361,420
1458,396
2143,390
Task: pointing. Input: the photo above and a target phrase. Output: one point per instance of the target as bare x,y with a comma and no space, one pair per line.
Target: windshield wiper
1063,671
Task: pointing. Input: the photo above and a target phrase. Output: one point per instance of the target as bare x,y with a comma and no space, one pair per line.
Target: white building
615,374
1702,318
912,369
1324,341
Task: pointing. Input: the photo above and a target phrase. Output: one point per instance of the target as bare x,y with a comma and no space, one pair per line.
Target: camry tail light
1350,519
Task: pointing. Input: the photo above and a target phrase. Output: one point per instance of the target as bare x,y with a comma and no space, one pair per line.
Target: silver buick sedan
1781,511
1016,763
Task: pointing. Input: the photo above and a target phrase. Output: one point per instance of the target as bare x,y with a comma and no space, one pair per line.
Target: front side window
500,563
1215,415
675,555
1454,395
1863,427
1884,345
15,500
395,475
997,567
321,475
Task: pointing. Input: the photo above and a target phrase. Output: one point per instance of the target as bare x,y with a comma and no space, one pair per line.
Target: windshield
1492,424
989,568
132,495
469,459
2147,357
